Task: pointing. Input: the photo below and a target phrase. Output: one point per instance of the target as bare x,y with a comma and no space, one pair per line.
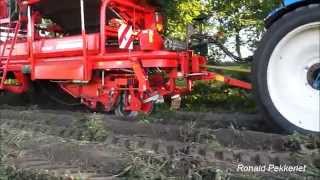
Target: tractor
112,55
286,68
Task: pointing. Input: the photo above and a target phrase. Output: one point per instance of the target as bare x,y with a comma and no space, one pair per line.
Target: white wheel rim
288,85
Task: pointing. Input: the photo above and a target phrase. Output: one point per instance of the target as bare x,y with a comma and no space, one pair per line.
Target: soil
75,143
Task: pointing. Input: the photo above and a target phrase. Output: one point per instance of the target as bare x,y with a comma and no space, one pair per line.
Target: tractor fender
288,7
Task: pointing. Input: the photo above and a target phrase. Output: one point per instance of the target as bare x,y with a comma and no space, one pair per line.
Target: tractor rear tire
285,66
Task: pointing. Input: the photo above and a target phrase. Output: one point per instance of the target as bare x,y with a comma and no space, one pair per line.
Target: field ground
40,143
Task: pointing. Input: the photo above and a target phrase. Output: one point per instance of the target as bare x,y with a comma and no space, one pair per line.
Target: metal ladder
8,45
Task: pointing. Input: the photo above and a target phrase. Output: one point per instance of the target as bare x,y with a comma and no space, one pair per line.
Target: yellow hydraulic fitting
11,82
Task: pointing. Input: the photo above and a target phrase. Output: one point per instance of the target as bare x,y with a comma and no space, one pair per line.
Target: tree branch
220,45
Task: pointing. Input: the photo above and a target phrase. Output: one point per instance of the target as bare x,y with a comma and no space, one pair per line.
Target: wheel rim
146,108
314,76
291,89
122,110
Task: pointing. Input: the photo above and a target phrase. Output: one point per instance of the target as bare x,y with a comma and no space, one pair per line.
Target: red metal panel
67,46
60,47
3,9
150,40
21,49
59,69
147,63
4,20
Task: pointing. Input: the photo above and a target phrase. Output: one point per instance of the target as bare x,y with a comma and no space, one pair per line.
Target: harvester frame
128,79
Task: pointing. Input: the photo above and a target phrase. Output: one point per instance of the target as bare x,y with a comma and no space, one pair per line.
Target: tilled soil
60,143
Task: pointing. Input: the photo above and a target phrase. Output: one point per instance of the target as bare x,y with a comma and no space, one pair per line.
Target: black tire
123,114
128,115
272,37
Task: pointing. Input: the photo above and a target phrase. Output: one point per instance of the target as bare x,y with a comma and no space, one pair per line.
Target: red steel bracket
140,74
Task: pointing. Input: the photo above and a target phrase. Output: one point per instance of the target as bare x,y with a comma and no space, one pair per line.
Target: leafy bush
215,96
93,128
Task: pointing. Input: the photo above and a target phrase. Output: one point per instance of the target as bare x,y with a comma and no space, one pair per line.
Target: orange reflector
159,28
151,36
219,78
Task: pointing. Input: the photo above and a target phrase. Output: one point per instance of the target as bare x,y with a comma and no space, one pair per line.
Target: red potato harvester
108,53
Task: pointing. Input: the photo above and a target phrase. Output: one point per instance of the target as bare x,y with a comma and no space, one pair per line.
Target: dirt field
38,143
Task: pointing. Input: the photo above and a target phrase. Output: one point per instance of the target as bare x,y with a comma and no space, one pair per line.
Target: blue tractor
287,67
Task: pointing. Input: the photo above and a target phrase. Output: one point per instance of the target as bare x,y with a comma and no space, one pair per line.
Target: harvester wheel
287,71
121,112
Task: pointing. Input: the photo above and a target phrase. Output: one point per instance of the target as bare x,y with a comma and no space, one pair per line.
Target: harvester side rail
86,72
101,74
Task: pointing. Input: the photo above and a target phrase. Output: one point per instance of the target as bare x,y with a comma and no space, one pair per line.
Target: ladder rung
5,21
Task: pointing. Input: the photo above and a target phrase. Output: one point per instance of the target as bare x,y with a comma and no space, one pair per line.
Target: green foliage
218,97
296,140
180,13
93,129
235,15
237,25
12,173
147,165
241,19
